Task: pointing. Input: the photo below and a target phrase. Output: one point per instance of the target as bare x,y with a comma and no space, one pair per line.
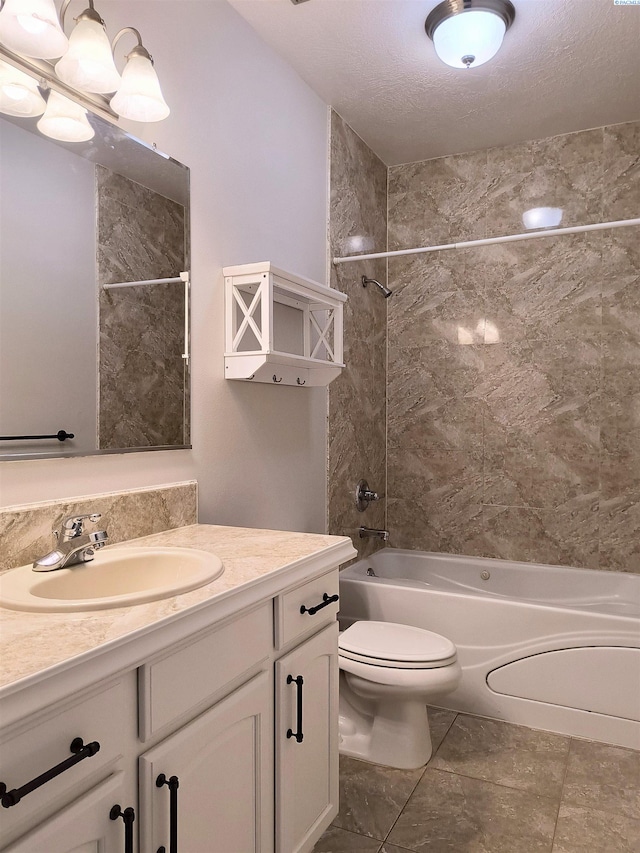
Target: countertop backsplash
26,531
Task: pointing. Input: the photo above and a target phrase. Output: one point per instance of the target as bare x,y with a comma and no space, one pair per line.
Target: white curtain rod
510,238
176,280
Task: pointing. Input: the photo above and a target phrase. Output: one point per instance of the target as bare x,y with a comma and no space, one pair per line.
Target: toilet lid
395,644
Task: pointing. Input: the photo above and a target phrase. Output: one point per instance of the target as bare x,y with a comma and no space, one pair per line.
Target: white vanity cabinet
307,741
218,770
84,826
194,739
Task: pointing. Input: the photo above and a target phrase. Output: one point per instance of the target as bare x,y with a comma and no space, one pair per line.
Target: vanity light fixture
65,120
32,28
88,64
86,68
19,93
468,33
139,97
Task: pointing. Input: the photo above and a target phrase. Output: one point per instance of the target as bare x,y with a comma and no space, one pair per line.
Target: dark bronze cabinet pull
13,797
326,601
299,681
172,784
128,816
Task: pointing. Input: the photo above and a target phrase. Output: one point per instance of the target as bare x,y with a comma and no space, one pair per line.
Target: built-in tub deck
549,647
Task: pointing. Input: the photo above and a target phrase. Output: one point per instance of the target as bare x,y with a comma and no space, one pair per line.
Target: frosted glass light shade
474,33
88,64
19,94
32,28
139,97
65,120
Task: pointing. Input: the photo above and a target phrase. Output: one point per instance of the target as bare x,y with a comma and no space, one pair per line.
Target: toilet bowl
388,674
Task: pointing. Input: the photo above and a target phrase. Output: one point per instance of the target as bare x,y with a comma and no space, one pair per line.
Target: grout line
564,779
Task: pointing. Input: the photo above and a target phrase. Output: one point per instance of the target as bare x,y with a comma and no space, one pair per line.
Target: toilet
388,674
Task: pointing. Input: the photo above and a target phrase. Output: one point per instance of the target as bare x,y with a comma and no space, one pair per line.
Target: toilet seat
387,644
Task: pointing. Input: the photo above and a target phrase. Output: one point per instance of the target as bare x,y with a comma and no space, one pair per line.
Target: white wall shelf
281,328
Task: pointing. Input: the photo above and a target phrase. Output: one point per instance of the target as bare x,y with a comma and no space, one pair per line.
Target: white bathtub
548,647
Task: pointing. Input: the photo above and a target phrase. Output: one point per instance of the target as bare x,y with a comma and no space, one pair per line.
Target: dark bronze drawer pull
172,784
13,797
299,681
326,600
128,816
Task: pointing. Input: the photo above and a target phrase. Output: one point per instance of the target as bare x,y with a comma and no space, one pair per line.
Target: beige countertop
254,561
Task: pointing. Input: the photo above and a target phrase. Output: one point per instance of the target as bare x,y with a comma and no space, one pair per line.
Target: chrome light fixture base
444,13
504,9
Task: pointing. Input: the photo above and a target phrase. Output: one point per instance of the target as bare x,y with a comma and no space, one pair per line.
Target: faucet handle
73,525
364,495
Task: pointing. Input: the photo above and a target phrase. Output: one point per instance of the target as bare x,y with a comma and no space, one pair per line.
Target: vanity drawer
105,715
185,681
292,622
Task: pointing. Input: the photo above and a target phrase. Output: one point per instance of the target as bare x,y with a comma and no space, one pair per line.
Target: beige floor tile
506,754
448,813
582,830
336,840
372,797
603,777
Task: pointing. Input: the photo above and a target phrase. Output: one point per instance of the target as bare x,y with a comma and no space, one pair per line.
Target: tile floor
492,787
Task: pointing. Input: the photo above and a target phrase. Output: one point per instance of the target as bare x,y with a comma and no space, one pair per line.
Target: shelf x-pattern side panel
323,333
247,320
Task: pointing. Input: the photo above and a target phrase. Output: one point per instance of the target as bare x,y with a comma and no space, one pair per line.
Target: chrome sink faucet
74,545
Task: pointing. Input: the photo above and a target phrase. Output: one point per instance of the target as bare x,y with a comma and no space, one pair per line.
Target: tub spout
369,532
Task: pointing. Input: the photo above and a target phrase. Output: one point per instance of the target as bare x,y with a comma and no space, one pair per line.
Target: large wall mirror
94,294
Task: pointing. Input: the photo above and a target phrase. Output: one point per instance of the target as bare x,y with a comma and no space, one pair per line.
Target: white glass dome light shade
475,33
65,120
139,97
19,93
468,33
88,64
32,28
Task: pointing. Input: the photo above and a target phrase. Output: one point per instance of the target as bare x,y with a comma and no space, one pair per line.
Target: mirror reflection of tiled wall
143,380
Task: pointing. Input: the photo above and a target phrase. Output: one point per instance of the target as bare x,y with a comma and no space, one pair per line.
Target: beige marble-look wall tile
542,394
621,173
619,516
621,281
438,201
550,288
357,398
563,536
26,531
434,397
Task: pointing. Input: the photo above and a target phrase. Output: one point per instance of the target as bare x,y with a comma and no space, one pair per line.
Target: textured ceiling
565,65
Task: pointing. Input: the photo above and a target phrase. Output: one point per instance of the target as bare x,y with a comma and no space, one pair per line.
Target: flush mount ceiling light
468,33
31,27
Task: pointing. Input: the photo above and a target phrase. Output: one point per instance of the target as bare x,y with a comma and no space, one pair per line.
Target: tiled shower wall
513,387
357,408
143,377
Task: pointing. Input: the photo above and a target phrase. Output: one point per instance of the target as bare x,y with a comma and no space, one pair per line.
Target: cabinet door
307,767
84,826
224,764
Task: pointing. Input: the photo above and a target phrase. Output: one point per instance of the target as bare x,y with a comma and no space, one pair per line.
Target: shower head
385,290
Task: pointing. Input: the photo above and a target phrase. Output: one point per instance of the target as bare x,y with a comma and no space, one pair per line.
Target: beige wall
357,397
514,370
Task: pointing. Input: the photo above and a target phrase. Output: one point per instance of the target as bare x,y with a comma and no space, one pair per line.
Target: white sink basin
116,577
